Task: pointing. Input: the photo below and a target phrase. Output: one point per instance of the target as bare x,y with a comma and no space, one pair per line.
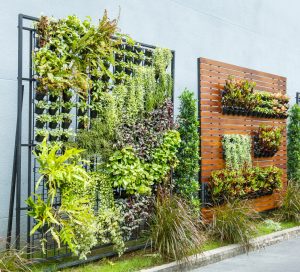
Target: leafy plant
237,150
174,232
14,260
290,203
293,144
267,140
186,173
230,184
234,222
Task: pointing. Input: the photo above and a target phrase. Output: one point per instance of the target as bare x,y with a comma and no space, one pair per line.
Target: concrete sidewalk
284,256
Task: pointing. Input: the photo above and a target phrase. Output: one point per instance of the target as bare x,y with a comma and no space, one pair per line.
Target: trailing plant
237,150
234,222
174,233
186,173
267,140
228,184
290,203
293,144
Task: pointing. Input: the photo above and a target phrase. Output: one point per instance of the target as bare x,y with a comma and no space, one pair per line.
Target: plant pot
119,81
52,111
149,53
53,138
137,61
64,138
94,114
148,62
65,110
118,57
81,125
128,59
53,98
81,112
66,124
67,97
128,71
105,78
119,69
129,48
106,64
53,124
39,138
39,110
39,124
39,96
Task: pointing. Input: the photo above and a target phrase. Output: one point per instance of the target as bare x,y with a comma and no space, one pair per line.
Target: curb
222,253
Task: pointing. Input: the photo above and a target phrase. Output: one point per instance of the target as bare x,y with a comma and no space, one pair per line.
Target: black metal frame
16,181
298,98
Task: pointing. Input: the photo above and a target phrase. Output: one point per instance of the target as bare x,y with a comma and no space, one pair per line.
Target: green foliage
293,145
137,176
237,150
239,95
290,203
228,183
174,232
267,140
186,173
234,222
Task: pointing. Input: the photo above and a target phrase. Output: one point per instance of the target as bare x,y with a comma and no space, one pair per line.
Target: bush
290,203
186,173
293,146
174,233
234,222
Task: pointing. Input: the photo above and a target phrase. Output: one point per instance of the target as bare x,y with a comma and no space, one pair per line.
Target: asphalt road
282,257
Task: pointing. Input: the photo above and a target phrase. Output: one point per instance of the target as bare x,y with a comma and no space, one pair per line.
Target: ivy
186,173
293,145
237,150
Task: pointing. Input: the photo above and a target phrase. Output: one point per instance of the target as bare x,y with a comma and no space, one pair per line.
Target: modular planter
137,61
66,124
38,110
53,124
81,112
128,71
81,125
39,138
119,69
148,53
39,96
65,110
148,62
53,138
52,111
94,114
129,48
105,78
39,124
53,98
128,59
67,97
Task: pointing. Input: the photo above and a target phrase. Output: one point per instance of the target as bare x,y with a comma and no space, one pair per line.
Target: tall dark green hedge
293,147
186,173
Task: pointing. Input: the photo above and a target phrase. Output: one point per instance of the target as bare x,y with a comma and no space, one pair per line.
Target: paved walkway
282,257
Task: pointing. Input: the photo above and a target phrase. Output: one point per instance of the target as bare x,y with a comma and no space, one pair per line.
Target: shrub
290,203
186,173
174,233
234,222
293,146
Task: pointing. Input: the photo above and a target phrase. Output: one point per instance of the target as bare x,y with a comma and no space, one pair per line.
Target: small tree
186,173
293,147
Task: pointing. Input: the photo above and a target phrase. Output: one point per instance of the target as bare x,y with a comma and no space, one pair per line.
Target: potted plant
82,108
40,134
95,108
53,107
41,120
66,120
67,95
53,95
40,106
83,122
65,136
40,91
67,107
55,134
54,120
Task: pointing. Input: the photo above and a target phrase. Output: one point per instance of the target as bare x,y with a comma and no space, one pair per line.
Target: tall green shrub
293,147
186,173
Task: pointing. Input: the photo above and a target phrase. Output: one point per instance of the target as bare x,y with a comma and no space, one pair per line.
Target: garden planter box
53,138
65,110
81,112
52,111
67,97
53,98
118,57
53,124
39,138
38,110
39,96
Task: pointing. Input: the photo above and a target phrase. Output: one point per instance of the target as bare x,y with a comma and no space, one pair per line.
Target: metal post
19,130
298,98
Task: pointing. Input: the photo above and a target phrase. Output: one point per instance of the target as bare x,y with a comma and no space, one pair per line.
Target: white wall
258,34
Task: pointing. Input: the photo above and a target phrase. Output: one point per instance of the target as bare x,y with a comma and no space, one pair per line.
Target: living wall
240,179
105,133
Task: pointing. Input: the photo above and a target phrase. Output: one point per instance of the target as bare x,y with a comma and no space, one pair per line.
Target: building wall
258,34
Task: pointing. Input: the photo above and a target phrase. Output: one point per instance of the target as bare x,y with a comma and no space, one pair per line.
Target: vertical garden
107,145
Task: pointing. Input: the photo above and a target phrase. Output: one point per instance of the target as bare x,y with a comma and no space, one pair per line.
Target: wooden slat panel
214,124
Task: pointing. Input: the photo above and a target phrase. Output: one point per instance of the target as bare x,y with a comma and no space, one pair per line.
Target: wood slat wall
213,124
